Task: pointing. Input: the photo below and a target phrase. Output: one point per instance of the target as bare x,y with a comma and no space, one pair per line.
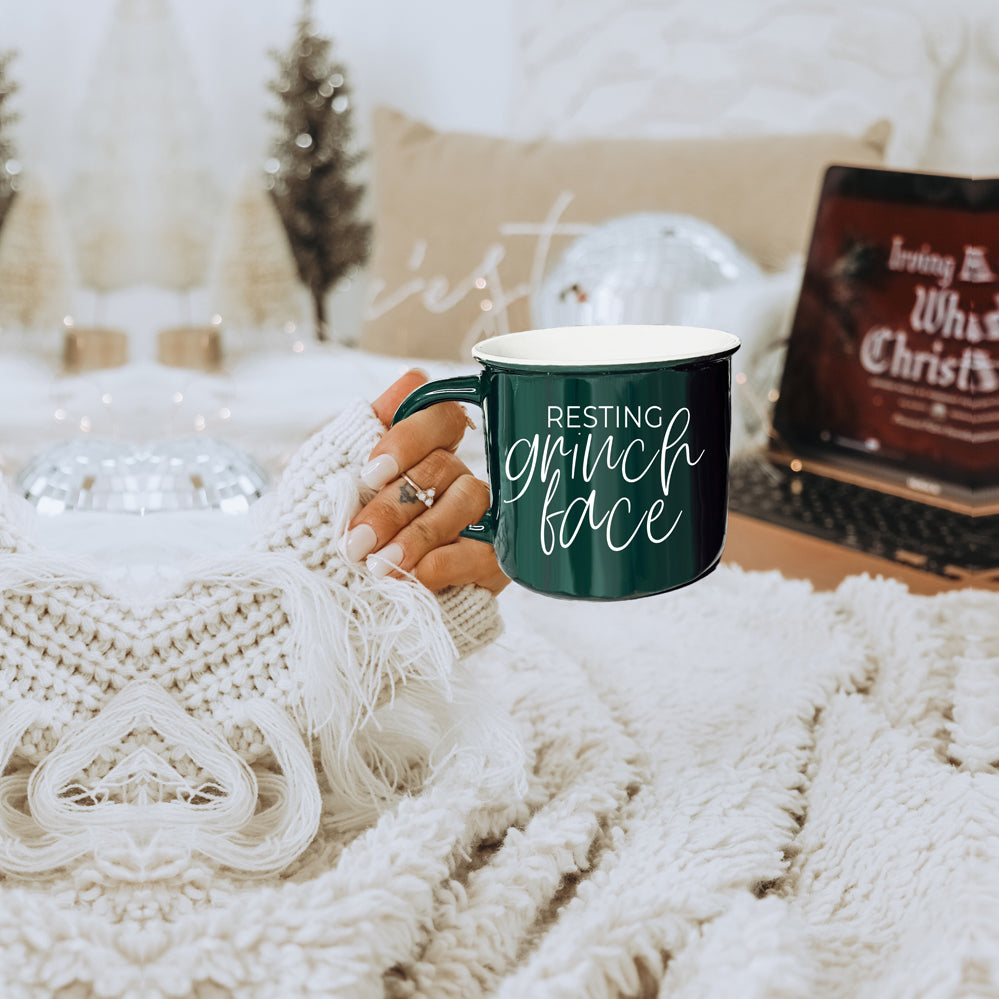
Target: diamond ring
414,492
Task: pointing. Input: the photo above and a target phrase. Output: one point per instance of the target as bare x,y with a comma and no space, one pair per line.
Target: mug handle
460,388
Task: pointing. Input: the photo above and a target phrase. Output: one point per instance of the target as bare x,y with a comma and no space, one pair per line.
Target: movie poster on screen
903,313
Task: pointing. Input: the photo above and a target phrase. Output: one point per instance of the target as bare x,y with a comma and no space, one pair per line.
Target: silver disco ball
116,477
655,268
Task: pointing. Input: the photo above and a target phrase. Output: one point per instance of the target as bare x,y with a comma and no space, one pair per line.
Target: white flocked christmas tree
36,278
142,198
9,165
255,286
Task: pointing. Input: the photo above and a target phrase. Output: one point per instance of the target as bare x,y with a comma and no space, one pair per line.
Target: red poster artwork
895,351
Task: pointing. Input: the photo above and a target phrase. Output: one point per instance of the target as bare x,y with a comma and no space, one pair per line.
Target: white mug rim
605,346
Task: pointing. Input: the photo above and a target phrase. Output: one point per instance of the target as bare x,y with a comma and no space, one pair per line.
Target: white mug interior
604,346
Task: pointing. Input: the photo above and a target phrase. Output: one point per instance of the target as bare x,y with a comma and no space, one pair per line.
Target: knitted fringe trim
357,645
44,825
371,664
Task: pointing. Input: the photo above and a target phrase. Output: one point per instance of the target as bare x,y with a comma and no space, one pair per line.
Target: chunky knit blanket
287,778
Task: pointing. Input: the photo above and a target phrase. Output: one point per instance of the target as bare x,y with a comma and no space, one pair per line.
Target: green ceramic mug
607,450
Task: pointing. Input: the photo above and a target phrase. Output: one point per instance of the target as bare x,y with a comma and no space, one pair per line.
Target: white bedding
743,788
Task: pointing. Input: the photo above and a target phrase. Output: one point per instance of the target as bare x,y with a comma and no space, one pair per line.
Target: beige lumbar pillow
467,225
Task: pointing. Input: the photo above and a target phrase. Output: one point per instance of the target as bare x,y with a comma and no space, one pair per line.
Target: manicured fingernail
383,562
379,471
359,542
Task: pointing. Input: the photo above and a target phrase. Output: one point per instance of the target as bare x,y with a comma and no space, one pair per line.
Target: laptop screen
893,359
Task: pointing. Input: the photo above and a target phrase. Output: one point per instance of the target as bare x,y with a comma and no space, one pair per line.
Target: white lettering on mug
533,459
590,417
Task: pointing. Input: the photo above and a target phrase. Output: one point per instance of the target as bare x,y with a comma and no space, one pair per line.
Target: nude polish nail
383,562
379,471
359,542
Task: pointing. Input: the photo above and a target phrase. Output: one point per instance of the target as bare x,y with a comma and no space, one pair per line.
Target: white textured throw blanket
739,789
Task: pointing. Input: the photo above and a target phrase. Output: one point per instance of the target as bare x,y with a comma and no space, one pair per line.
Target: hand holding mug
425,497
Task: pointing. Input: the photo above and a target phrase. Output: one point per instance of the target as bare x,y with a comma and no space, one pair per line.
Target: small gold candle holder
91,348
195,347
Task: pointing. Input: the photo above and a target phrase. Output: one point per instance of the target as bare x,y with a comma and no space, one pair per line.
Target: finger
441,426
463,561
463,503
396,504
390,400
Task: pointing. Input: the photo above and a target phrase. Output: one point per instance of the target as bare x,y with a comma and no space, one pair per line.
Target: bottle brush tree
36,280
9,166
311,166
256,283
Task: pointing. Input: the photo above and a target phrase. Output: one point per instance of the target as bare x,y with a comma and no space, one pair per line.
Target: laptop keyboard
929,538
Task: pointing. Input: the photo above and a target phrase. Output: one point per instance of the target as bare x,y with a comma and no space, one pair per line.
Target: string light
91,423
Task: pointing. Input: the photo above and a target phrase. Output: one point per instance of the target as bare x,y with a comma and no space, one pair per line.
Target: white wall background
450,62
447,61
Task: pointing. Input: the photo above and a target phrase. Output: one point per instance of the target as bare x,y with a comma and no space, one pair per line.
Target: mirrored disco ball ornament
656,268
116,477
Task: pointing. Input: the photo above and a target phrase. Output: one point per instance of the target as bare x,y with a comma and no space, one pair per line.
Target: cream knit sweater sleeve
307,515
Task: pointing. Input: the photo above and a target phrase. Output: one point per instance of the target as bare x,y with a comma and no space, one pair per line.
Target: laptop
884,449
